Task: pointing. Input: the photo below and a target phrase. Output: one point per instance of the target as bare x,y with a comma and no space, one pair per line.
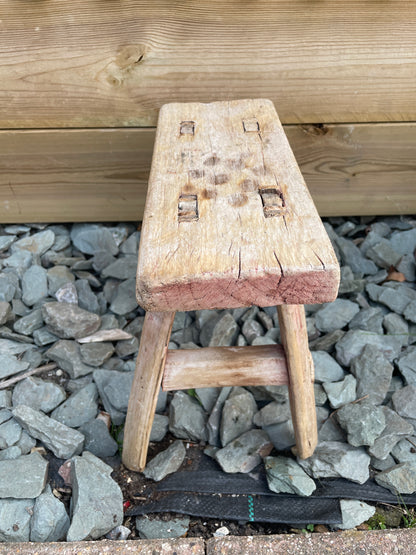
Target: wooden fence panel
113,64
101,174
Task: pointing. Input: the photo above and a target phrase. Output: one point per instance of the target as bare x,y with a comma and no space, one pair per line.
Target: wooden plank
327,61
101,174
300,370
223,366
229,221
145,388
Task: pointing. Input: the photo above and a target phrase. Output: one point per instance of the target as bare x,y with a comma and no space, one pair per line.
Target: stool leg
145,389
300,369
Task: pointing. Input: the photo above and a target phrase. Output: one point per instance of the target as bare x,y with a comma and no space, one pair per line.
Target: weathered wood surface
145,388
89,64
223,366
102,174
300,369
229,221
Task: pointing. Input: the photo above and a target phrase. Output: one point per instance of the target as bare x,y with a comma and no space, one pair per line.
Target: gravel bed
69,335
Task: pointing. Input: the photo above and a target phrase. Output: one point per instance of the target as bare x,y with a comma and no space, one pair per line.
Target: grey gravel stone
20,261
98,440
373,372
165,462
43,336
336,315
102,378
220,330
6,241
123,268
245,452
131,244
34,285
96,354
10,433
351,255
8,347
382,464
354,512
407,267
368,319
10,453
405,450
93,238
58,277
127,347
26,443
404,401
124,300
162,529
331,431
383,254
118,389
214,420
97,500
272,413
237,415
404,242
396,427
326,368
320,395
407,365
68,321
187,419
341,393
397,326
38,394
160,427
29,323
207,396
354,341
68,356
5,312
284,475
251,330
63,441
398,479
38,243
333,459
79,408
5,398
281,435
410,311
50,521
15,515
362,421
326,342
10,365
7,289
86,298
29,474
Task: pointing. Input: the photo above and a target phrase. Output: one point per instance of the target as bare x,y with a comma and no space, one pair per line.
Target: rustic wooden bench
228,223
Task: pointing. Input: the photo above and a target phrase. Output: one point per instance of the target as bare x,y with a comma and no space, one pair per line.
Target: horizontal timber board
101,174
113,64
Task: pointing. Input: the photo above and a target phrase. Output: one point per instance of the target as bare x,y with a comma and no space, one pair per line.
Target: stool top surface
229,221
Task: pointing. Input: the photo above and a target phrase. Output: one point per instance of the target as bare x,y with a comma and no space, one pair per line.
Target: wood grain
223,366
86,64
102,174
300,370
145,388
251,234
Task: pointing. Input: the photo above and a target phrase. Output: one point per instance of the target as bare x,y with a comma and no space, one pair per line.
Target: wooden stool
228,223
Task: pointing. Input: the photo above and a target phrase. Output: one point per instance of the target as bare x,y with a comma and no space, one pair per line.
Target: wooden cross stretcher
228,223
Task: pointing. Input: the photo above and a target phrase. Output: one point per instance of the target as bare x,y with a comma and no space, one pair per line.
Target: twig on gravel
106,335
15,379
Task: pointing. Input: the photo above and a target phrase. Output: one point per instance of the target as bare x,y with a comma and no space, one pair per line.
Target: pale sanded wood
223,366
145,388
300,370
115,63
102,174
252,234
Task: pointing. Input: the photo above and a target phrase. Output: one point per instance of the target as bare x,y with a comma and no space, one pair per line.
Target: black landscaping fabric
206,491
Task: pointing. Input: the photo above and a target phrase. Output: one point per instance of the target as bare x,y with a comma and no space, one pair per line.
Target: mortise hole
272,200
188,208
187,128
251,125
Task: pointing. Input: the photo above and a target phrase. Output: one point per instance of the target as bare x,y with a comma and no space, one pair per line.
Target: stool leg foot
145,389
300,369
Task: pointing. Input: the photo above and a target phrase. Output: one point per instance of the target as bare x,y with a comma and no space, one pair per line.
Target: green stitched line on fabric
250,508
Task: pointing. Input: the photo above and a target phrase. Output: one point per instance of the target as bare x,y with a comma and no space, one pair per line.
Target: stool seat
229,221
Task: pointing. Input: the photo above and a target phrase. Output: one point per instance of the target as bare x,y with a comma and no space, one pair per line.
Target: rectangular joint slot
251,125
187,208
273,201
187,128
